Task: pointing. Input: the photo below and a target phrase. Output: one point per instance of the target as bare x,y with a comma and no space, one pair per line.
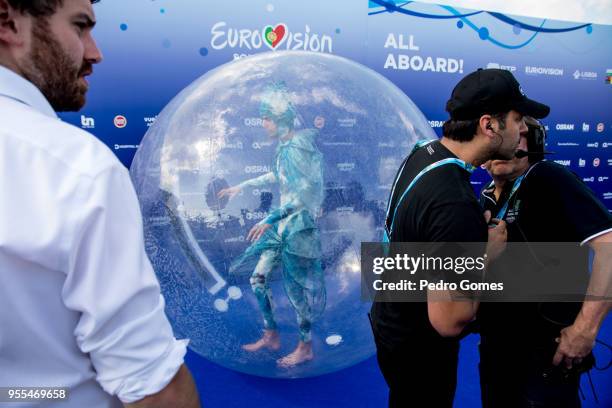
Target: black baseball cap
491,91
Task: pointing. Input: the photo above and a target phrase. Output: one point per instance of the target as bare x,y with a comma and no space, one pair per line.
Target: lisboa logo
272,36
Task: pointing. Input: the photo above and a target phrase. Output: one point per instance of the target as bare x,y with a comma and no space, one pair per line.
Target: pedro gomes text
411,265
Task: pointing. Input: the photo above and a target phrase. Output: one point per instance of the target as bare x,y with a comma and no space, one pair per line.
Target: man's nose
92,52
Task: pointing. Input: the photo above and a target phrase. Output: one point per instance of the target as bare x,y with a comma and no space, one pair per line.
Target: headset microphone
524,153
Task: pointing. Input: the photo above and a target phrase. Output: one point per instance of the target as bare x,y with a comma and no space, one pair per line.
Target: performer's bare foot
269,340
301,354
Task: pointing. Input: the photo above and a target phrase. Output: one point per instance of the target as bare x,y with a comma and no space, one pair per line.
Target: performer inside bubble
288,236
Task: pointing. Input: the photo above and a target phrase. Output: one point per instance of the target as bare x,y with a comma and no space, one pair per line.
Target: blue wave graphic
540,29
483,31
392,7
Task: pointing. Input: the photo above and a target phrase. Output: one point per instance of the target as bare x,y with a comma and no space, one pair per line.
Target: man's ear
483,123
12,25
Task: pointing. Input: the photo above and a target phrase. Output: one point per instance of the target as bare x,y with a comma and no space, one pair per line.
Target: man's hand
181,392
574,345
230,192
257,231
577,340
498,236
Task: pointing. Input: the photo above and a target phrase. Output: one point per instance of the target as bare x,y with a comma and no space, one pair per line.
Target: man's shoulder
58,141
551,170
449,180
548,174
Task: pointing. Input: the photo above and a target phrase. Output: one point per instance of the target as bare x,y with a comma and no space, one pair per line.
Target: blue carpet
359,386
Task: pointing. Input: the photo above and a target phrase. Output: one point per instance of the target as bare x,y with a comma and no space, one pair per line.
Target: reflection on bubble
333,340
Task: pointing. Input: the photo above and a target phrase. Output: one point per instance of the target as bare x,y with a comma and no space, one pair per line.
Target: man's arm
179,393
449,317
577,340
111,284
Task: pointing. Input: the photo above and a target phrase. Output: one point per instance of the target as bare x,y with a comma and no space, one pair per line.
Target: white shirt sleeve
112,285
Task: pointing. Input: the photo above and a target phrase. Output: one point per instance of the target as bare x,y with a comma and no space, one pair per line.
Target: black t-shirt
551,205
440,207
554,205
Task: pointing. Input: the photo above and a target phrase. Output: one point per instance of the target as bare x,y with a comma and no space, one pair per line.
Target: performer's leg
263,294
299,299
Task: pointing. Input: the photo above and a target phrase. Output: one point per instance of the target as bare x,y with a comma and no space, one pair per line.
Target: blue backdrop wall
154,48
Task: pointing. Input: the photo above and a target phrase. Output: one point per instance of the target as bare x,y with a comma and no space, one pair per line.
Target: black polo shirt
551,205
488,200
440,207
554,205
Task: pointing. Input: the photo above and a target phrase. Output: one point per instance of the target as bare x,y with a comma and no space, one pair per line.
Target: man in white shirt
80,306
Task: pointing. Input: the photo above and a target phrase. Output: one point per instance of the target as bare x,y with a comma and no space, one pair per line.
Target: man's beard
50,68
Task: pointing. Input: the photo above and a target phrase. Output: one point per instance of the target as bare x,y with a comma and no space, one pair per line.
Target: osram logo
564,126
257,169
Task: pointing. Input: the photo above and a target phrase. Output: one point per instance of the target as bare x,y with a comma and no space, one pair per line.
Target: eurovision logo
271,36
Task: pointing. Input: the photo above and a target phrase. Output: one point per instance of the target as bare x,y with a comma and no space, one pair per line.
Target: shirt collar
20,89
506,190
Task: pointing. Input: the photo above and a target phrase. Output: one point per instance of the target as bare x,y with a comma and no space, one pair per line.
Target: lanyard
435,165
517,183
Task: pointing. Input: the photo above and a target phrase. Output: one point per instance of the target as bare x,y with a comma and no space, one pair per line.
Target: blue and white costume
293,240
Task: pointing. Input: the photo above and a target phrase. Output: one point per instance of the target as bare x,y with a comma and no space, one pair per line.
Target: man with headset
504,172
532,354
418,343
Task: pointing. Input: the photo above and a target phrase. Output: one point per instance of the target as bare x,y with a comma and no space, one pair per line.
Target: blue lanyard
517,183
450,160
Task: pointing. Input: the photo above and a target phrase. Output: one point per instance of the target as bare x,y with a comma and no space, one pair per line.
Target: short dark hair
464,130
460,130
38,8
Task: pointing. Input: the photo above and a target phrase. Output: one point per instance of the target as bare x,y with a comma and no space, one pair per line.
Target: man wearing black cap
418,343
532,354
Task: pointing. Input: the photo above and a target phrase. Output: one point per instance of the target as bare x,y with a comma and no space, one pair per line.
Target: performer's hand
498,236
574,345
230,192
257,231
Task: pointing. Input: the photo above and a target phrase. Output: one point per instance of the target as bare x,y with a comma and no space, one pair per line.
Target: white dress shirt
80,306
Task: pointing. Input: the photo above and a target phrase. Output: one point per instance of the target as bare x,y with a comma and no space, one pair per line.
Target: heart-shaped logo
274,36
